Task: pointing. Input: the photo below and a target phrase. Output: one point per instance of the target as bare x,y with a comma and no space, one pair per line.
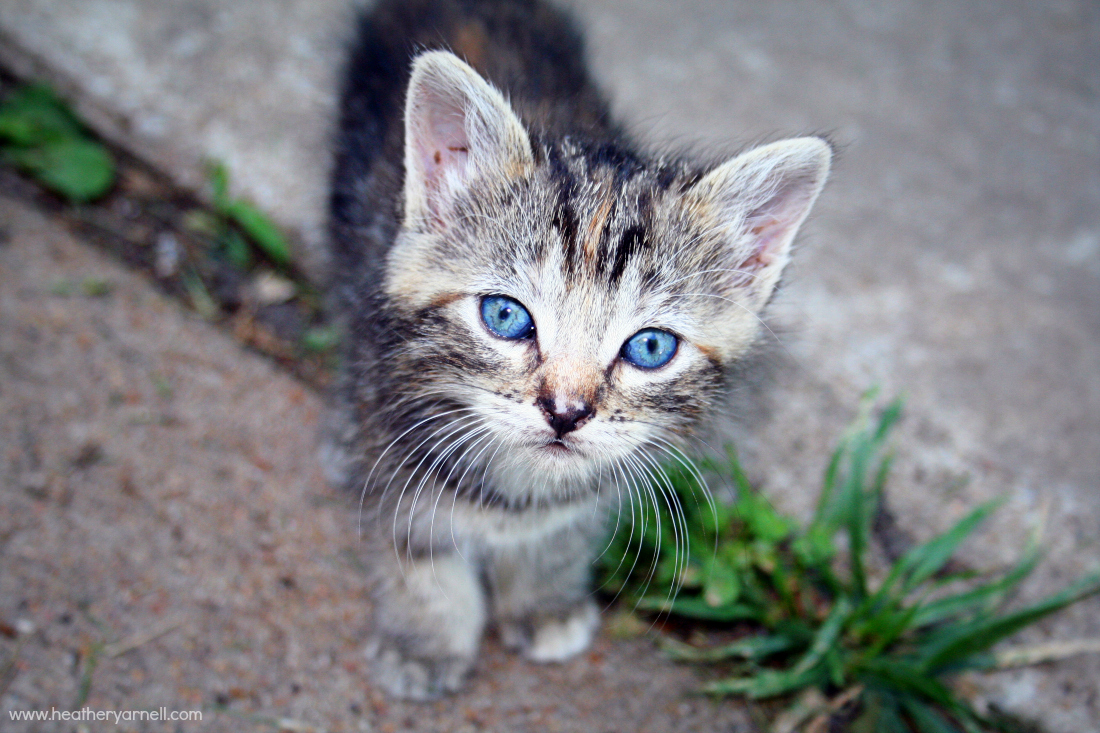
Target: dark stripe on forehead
538,147
665,176
645,204
690,180
564,218
633,240
560,173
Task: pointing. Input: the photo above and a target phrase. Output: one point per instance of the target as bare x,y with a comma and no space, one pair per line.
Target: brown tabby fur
449,189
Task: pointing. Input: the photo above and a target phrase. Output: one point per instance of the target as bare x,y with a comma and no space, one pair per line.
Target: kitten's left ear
757,201
457,128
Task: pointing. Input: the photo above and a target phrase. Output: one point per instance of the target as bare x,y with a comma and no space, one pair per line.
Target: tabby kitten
538,315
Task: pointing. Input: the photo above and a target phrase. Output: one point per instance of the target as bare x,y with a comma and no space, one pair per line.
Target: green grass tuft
40,134
818,624
239,223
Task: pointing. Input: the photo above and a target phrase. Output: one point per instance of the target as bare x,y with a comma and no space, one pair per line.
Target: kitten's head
579,305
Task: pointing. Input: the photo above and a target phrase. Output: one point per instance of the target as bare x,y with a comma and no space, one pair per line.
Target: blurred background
160,491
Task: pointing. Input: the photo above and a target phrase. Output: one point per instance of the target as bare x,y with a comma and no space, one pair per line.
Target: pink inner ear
443,147
767,233
771,225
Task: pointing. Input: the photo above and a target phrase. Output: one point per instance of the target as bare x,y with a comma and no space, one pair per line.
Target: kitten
537,315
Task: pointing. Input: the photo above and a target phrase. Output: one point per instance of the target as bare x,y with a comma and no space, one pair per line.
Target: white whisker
397,504
473,438
392,443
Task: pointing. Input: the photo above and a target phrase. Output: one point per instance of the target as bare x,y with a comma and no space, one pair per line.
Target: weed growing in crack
877,655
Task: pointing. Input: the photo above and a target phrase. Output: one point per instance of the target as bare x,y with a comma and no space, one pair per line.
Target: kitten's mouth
559,447
561,452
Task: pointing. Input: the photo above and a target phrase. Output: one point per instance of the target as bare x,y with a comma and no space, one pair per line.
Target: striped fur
506,177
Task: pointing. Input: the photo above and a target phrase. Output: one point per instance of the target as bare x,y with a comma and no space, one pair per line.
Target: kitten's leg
541,596
555,638
429,616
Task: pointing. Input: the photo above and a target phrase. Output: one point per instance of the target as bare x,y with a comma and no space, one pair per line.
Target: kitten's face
578,309
571,360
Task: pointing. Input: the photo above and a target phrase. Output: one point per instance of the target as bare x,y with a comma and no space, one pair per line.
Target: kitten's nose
565,416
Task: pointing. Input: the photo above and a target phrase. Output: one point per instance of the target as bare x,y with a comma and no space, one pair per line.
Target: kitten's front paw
553,639
560,639
415,678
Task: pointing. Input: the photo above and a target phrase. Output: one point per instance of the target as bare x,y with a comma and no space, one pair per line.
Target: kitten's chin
547,469
562,459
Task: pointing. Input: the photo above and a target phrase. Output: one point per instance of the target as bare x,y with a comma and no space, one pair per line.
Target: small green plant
91,287
236,223
813,621
321,339
40,134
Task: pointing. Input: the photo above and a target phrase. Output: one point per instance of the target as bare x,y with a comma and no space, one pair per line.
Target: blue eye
506,317
650,348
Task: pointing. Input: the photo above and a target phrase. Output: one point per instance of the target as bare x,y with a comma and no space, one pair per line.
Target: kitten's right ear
757,201
457,128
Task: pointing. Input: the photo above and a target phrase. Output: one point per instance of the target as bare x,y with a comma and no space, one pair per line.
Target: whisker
618,520
442,489
454,500
679,523
650,486
475,436
409,454
392,443
619,471
687,463
440,458
397,505
647,495
714,270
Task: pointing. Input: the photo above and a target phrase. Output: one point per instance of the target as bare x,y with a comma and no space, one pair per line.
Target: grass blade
924,561
888,418
80,170
752,648
218,176
856,525
826,636
260,230
34,115
695,607
925,718
979,599
902,677
767,683
823,516
952,646
879,716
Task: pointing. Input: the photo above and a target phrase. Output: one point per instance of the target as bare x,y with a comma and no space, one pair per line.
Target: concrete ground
955,257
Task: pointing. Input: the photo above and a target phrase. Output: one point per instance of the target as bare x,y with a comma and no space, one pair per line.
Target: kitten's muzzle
567,417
